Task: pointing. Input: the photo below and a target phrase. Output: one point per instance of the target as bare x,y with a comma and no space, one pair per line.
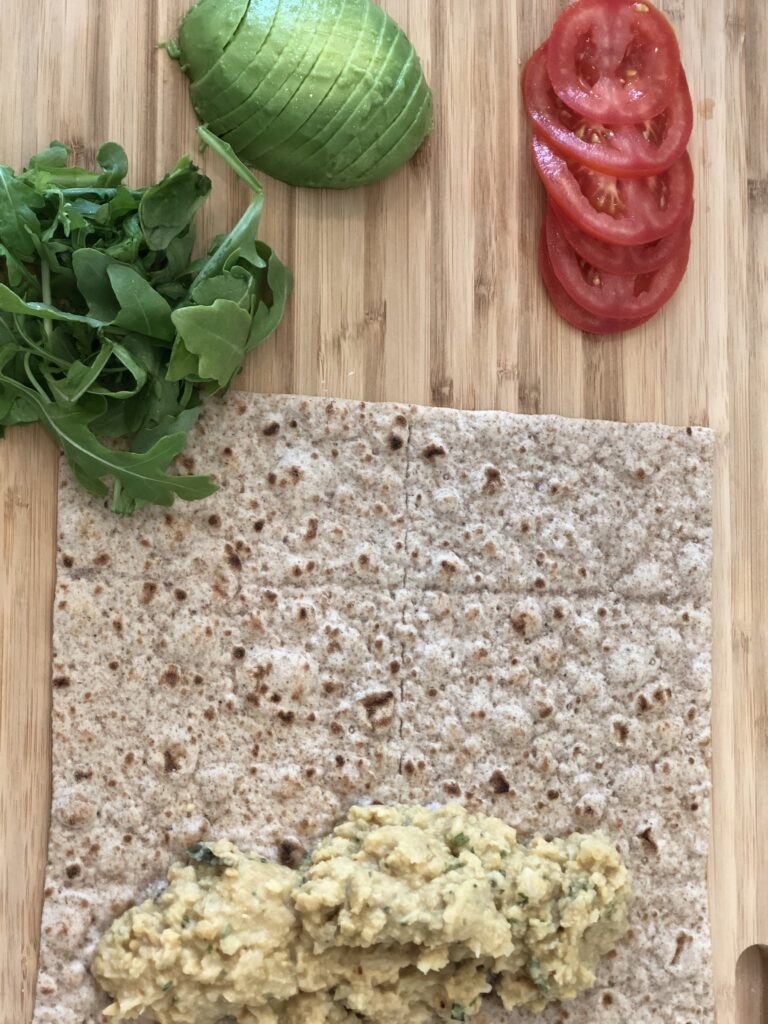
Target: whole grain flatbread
398,604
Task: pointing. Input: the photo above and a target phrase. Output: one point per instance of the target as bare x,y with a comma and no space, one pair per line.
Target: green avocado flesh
206,31
321,93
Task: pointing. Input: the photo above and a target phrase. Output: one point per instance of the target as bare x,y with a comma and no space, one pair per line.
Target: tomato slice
612,295
636,150
613,61
569,310
626,260
626,211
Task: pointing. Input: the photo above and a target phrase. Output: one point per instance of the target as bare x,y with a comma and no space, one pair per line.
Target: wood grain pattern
424,289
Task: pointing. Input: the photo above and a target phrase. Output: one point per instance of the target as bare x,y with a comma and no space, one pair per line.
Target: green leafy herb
110,331
459,840
202,854
458,1012
168,985
539,977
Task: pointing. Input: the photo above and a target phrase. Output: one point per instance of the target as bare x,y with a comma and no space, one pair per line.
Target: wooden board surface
424,289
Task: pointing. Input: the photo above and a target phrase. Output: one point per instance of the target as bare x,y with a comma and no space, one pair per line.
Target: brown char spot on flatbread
61,682
396,442
271,429
379,707
170,677
493,480
233,558
648,839
432,451
682,940
148,591
290,853
311,531
499,783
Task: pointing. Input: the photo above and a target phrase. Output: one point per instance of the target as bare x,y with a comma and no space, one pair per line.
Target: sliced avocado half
317,92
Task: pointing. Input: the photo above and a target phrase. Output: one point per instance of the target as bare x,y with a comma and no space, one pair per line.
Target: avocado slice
400,63
374,116
228,81
415,127
384,154
389,89
314,77
279,76
269,100
206,31
337,103
314,96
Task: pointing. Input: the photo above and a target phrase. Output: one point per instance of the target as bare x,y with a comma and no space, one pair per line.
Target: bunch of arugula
110,330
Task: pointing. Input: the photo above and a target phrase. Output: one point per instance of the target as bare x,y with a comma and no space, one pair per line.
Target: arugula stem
228,154
33,379
45,279
48,356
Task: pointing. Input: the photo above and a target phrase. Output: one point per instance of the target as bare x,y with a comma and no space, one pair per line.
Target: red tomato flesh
636,150
612,295
625,211
626,260
613,61
569,310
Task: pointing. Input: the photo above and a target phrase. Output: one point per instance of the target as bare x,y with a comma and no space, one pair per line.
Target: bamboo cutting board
424,289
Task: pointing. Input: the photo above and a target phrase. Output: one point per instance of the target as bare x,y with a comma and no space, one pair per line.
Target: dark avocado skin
320,93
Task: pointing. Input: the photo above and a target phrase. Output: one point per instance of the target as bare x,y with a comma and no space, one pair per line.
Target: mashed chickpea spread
401,914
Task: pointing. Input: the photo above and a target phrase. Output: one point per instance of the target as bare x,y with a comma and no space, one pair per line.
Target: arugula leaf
141,474
269,314
109,328
113,161
18,217
141,308
90,268
11,303
217,335
168,208
51,158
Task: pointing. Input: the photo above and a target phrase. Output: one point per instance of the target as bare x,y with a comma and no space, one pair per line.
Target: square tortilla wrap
391,603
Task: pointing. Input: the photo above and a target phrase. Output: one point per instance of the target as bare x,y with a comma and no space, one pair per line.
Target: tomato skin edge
581,16
600,225
662,287
590,248
570,311
600,158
